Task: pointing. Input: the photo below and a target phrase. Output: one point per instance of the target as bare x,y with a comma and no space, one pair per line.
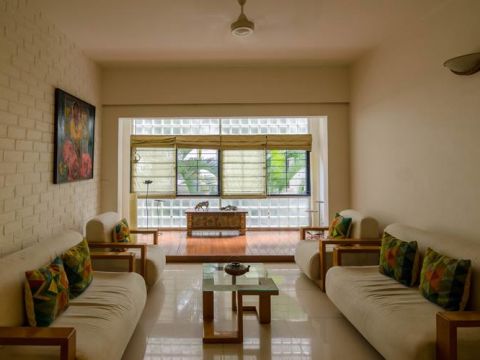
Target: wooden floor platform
203,246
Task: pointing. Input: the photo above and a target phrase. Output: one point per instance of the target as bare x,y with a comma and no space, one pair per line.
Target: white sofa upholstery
397,320
307,251
99,230
104,316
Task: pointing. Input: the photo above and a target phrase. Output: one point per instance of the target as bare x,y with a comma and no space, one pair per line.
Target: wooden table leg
240,318
208,305
265,314
234,294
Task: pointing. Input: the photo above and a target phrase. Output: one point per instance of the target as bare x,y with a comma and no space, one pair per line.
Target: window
243,173
156,165
197,172
287,172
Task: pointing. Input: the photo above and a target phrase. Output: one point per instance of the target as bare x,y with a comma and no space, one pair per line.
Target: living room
393,134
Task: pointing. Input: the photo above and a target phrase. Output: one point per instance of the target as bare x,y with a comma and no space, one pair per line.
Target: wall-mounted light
464,65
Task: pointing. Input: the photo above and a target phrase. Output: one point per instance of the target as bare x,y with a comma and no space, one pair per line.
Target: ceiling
185,32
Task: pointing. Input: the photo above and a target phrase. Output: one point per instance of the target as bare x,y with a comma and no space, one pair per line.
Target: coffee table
255,282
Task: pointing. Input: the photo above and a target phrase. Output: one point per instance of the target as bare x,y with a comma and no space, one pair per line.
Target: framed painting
74,138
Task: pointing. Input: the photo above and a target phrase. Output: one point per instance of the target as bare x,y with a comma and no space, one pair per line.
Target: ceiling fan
242,26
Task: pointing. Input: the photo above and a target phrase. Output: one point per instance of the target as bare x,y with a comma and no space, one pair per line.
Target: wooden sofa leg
446,339
68,348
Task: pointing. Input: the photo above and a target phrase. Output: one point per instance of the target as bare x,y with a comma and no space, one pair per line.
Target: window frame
219,187
307,174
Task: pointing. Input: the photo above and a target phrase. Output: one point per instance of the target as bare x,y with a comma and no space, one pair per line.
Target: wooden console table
216,220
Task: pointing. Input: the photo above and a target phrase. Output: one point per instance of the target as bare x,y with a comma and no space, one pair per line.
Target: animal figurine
203,205
229,208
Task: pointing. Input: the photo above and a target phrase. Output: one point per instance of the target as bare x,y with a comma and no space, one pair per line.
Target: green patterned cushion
445,281
78,267
340,227
399,259
46,293
121,232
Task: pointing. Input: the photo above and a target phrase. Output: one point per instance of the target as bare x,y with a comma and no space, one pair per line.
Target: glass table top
256,279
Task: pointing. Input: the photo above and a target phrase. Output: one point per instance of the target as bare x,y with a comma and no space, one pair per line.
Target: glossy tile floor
305,324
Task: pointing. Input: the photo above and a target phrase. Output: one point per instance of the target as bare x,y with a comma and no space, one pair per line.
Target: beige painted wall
225,85
34,59
415,126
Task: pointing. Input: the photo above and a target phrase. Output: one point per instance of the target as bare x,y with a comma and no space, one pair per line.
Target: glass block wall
262,213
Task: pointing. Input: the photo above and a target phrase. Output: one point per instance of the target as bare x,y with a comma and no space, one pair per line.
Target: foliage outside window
197,172
287,172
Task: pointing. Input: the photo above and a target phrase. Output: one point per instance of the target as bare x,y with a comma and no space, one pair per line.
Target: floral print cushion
399,259
121,232
445,281
340,227
46,293
78,267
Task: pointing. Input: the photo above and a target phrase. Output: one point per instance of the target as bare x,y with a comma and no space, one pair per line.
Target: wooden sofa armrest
42,336
117,255
142,247
343,242
447,324
147,232
338,251
303,230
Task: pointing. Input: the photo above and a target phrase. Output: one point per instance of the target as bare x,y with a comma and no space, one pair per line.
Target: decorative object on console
464,65
399,259
236,269
202,206
74,138
445,281
229,208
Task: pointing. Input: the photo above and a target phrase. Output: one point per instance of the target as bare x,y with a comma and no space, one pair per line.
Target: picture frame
74,143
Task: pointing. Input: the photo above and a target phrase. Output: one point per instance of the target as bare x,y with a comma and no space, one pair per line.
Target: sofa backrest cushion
445,245
363,227
99,229
13,267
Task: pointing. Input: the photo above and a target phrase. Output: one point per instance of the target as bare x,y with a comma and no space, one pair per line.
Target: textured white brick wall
35,58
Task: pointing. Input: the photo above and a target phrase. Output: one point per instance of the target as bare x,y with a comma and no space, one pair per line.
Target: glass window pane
197,172
287,172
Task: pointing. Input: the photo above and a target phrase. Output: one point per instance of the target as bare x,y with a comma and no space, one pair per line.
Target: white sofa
397,320
307,252
104,316
99,231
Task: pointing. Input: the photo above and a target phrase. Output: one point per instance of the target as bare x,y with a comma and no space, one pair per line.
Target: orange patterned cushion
46,293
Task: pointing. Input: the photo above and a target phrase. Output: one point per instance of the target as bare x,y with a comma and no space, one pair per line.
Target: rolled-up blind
155,164
289,142
243,173
243,142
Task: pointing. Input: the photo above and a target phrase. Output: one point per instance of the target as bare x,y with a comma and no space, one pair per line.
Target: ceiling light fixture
242,26
464,65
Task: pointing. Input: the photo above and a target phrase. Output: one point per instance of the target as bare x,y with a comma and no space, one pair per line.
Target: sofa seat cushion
104,316
307,257
397,320
155,264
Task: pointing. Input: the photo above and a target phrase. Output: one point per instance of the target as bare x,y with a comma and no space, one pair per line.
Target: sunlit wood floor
222,246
